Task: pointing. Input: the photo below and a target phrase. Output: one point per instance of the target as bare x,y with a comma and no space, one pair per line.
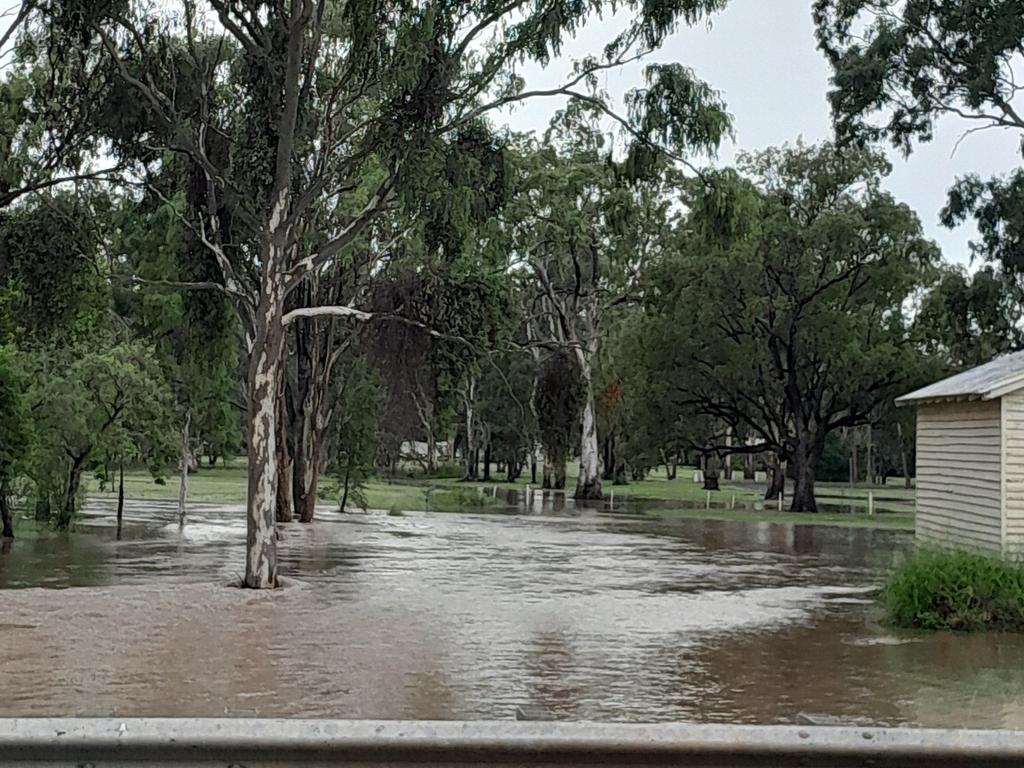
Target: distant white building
418,449
970,458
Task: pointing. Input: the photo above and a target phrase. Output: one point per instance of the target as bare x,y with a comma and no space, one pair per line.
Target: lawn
655,486
225,484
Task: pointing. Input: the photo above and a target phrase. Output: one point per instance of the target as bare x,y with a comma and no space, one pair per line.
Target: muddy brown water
577,614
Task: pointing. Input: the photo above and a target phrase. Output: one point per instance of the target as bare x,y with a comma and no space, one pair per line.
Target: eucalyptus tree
967,319
586,224
280,106
784,311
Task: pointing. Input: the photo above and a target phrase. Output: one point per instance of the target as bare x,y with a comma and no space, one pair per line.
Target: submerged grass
226,482
962,591
892,521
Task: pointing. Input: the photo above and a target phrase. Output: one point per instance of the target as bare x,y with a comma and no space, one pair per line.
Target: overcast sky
762,56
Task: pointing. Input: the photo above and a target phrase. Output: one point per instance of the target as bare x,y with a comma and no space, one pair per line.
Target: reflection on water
575,614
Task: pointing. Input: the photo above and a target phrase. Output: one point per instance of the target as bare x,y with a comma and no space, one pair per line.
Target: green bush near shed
960,591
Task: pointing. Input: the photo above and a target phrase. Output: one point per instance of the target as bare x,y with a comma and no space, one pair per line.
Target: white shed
970,458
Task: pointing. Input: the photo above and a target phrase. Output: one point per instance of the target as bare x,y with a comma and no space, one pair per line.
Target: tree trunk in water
588,483
186,458
618,463
315,462
264,381
558,473
487,461
307,507
284,505
777,481
469,400
120,497
6,516
608,473
298,448
805,458
67,513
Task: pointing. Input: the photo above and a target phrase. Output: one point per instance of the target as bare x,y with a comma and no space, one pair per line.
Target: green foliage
967,320
914,60
50,266
997,206
963,591
95,406
194,333
559,402
899,66
506,387
17,437
355,436
833,464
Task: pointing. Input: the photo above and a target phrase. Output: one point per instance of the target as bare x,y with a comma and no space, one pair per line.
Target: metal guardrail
253,743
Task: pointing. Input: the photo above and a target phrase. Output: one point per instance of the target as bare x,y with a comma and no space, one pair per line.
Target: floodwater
564,613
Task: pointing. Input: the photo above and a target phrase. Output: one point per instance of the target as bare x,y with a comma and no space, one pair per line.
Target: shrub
963,591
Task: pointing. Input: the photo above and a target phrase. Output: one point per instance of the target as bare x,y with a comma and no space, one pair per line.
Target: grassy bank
655,486
225,484
962,591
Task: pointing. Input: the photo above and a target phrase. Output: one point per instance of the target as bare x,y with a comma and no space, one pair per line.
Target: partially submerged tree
586,225
784,312
94,405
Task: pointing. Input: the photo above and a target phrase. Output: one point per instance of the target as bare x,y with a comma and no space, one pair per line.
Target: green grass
225,484
963,591
222,484
655,486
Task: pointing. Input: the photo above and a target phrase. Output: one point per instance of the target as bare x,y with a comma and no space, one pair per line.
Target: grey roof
986,382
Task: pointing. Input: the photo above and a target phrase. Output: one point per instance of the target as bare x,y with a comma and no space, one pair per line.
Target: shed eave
934,399
1005,388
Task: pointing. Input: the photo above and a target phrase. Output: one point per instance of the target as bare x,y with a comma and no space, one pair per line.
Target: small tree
94,406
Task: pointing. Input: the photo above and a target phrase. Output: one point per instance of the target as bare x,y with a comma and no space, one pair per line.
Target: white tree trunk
264,373
588,483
